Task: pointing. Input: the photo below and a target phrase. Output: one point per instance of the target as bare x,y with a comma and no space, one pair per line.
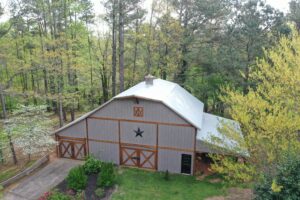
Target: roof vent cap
149,79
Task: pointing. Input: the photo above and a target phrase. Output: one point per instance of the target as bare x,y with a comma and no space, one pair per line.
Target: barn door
74,149
186,163
141,158
130,157
147,159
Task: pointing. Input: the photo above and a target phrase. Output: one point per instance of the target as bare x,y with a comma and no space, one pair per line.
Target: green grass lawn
9,172
134,184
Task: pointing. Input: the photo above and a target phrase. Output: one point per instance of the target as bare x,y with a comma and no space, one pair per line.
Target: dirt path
35,185
235,194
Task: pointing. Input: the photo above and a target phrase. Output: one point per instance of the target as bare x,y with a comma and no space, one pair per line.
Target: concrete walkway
35,185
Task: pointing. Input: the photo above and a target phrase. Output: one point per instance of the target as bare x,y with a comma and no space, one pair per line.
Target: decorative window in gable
138,111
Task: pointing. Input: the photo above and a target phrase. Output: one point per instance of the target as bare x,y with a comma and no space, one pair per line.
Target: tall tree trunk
45,75
61,118
114,49
72,112
135,50
60,90
65,114
91,60
33,87
12,148
3,105
149,50
121,45
184,50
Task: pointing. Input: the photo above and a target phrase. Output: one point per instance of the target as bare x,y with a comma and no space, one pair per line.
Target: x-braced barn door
74,149
142,158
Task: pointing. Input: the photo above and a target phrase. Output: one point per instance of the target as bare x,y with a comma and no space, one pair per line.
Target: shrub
100,192
58,196
285,184
77,179
106,178
92,165
80,196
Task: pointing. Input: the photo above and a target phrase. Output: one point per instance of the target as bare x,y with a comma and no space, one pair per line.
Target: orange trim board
175,149
70,138
104,141
141,121
124,145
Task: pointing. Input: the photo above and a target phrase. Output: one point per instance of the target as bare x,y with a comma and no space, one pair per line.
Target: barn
154,125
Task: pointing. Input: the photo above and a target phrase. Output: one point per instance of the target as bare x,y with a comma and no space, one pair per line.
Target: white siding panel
171,160
76,130
176,136
153,111
105,151
103,129
129,136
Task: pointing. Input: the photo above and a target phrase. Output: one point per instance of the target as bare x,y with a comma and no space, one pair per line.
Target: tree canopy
269,113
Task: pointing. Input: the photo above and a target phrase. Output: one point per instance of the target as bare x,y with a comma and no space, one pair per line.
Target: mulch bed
89,191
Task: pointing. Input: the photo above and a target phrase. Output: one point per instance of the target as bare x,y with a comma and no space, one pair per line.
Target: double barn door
72,148
138,157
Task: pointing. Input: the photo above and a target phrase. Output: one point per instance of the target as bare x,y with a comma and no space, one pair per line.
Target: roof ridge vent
149,79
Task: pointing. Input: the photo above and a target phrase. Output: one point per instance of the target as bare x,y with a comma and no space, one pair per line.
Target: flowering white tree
31,126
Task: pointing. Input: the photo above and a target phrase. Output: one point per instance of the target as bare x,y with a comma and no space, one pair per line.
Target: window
138,111
186,163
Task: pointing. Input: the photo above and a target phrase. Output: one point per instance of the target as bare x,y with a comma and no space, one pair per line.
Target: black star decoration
138,132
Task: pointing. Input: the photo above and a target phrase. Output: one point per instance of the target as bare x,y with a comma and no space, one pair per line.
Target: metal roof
211,130
172,95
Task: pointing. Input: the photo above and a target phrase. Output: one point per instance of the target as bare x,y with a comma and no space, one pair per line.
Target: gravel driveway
35,185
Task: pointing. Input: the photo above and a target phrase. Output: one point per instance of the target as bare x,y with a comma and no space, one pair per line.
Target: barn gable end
111,134
153,111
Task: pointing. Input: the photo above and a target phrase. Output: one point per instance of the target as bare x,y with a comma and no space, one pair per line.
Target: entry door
142,158
186,163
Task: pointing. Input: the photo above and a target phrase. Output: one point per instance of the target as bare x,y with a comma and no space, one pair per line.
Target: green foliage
284,184
100,192
58,196
294,14
107,176
77,179
92,165
242,172
1,191
269,114
141,184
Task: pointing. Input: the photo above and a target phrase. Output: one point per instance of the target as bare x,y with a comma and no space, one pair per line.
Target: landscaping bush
106,178
92,165
58,196
77,179
285,184
99,192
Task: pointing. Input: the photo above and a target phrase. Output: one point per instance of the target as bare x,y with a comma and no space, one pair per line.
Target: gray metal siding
129,136
77,130
105,151
103,129
176,136
181,137
153,111
171,160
